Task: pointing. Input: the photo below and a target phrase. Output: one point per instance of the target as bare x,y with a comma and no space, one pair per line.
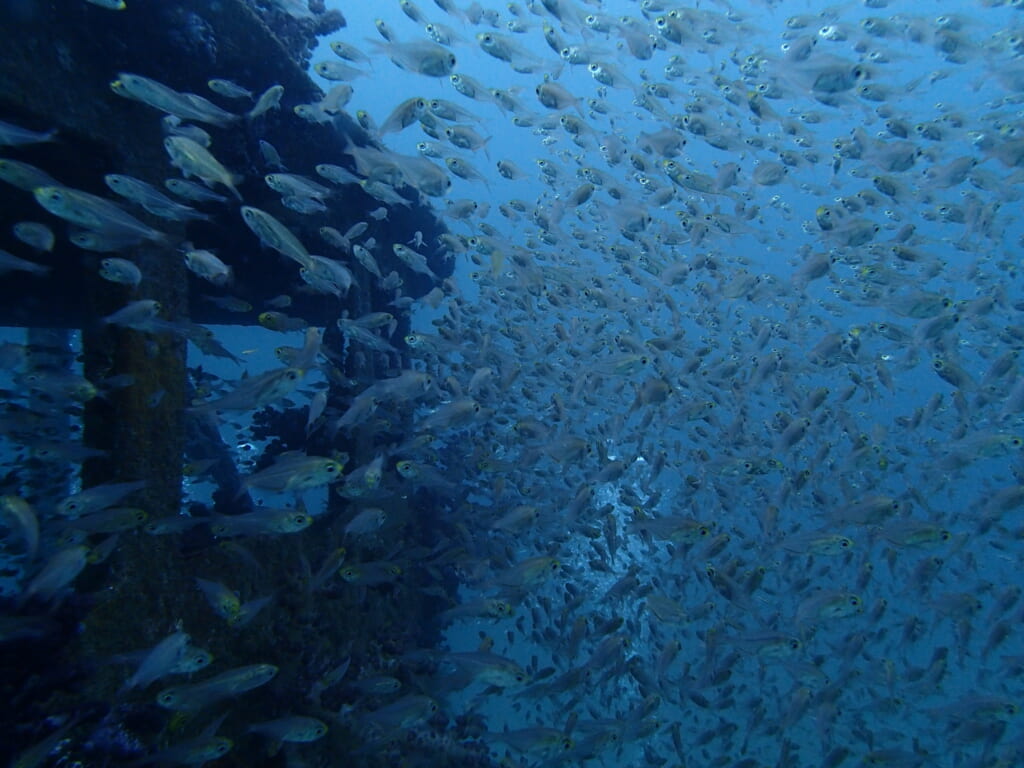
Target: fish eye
854,600
166,698
844,543
487,38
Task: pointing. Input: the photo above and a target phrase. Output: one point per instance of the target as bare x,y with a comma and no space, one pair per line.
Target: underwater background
540,383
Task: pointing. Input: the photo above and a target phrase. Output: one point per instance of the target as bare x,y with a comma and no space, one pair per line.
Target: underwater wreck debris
98,133
299,24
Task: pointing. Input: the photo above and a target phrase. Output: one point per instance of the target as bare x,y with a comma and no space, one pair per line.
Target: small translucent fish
150,198
15,509
193,159
371,573
273,234
283,301
15,136
280,322
197,751
206,265
365,522
817,543
460,669
225,602
97,498
417,262
295,471
206,342
142,315
296,185
94,213
35,235
297,9
305,356
407,712
24,176
187,106
378,685
159,661
110,520
257,391
262,521
118,270
11,263
291,729
348,52
228,89
268,100
192,191
337,71
230,303
422,57
58,573
198,696
270,155
110,5
173,126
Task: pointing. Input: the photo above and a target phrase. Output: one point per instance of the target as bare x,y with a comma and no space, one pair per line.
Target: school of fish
722,407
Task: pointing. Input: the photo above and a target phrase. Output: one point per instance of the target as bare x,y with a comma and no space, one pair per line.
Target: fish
269,100
12,135
193,159
206,265
150,198
294,729
195,697
159,661
56,575
256,391
186,106
228,89
25,520
192,191
95,213
24,176
273,234
421,57
35,235
264,521
294,471
97,498
11,263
